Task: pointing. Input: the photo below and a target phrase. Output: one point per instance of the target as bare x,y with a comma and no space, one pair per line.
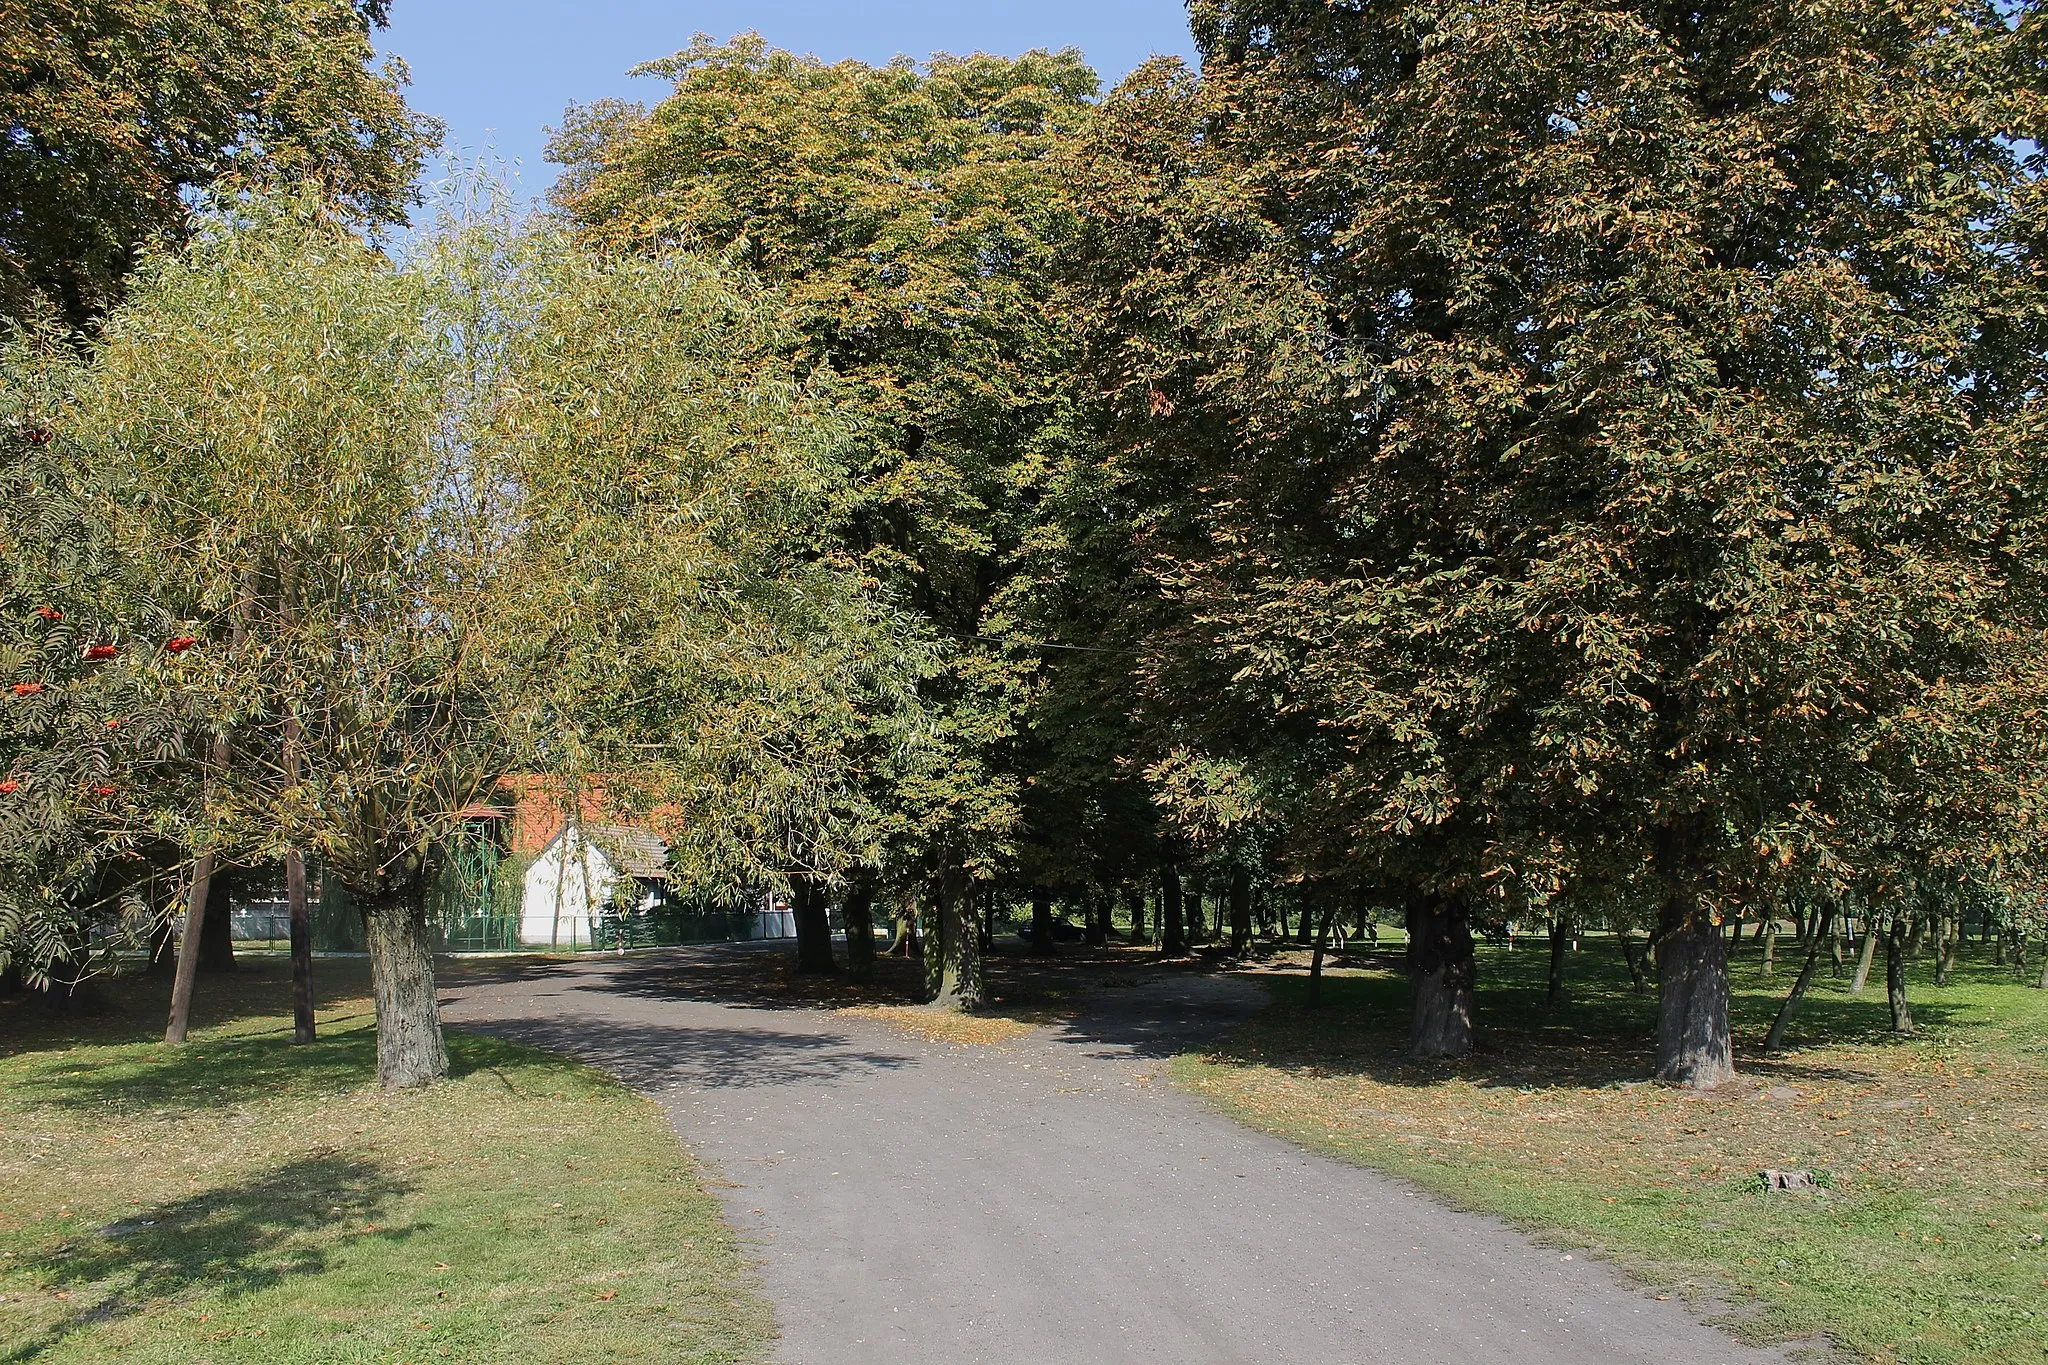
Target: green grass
1927,1247
241,1199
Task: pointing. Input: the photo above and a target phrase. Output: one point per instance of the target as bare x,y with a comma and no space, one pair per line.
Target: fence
458,928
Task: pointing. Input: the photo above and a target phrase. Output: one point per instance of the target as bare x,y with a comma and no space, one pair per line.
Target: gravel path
1054,1200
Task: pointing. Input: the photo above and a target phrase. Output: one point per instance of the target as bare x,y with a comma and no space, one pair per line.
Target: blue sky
500,71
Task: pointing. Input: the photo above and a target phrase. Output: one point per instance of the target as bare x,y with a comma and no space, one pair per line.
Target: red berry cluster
9,787
50,614
28,689
39,436
180,643
97,653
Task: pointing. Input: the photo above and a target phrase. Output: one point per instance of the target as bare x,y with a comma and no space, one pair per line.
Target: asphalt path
1054,1199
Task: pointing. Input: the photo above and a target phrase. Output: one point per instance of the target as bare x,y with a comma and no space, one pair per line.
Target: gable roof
635,852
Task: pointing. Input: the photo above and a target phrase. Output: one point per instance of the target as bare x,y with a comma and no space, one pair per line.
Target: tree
910,214
86,869
511,508
1630,468
117,111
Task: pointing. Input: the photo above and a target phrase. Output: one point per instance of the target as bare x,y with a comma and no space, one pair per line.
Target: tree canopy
117,111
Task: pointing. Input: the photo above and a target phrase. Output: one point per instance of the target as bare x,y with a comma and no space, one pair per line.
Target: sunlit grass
244,1200
1928,1245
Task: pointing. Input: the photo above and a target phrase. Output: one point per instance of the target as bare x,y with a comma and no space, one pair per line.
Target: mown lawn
1927,1246
241,1199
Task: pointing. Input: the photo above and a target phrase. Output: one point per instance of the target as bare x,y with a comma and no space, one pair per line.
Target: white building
585,872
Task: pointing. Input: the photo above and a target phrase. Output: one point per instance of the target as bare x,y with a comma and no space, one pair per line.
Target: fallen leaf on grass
608,1294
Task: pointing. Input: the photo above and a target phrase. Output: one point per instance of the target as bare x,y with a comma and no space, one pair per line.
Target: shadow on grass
132,1008
213,1072
1602,1033
234,1241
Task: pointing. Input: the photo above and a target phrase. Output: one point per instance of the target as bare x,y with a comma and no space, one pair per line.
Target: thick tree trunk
1865,956
1694,1048
1173,930
860,928
953,945
163,951
813,926
188,949
302,946
1095,908
1776,1038
1440,976
409,1048
1041,920
217,936
1770,929
1896,945
1835,940
1559,933
1305,930
1240,911
1134,897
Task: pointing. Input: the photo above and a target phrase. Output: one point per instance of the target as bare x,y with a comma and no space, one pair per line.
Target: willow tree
430,525
1619,425
911,215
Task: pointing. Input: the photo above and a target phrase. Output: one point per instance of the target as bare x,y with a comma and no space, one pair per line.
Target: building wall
567,886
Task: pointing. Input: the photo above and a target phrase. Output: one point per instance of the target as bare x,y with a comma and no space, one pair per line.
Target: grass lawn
241,1199
1926,1247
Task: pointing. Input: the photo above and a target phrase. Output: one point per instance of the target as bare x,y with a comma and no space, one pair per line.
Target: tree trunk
1173,930
217,936
1627,944
1694,1048
1896,945
1770,928
188,949
953,945
1134,896
1559,932
1863,960
1776,1038
906,942
409,1047
1835,939
1322,936
860,928
1947,928
1240,911
1440,975
1041,920
1095,910
1305,929
295,879
813,926
302,946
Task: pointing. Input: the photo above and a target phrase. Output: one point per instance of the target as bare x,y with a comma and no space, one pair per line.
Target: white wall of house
567,887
